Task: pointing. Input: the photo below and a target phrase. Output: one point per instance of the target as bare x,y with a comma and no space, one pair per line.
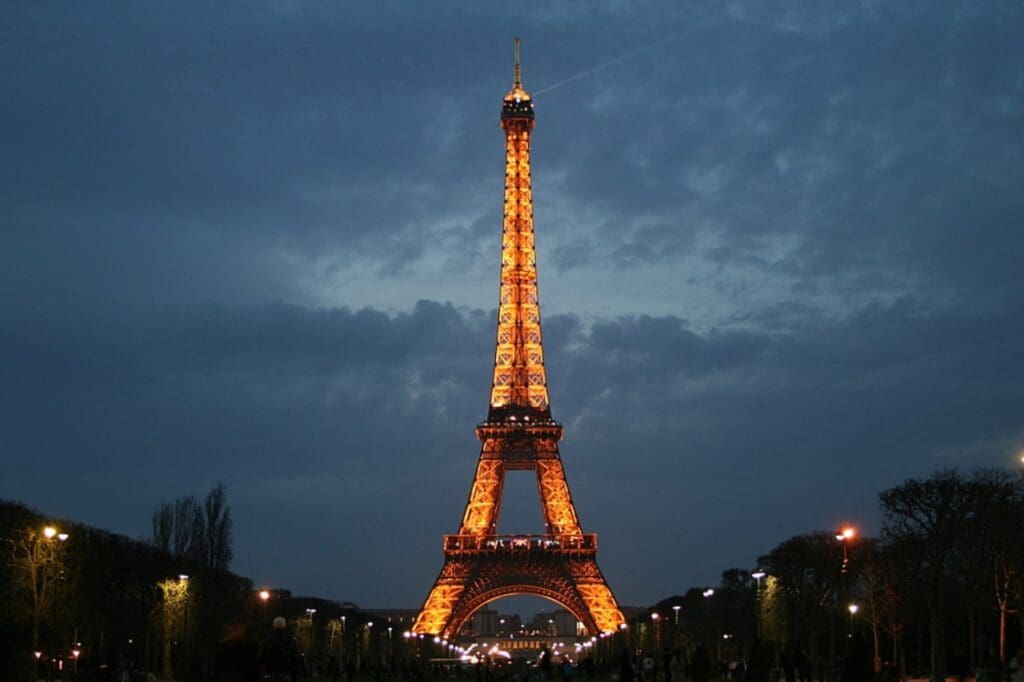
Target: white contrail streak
603,65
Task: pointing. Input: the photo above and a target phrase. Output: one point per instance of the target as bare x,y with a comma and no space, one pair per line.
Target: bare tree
163,526
996,554
200,533
217,531
38,565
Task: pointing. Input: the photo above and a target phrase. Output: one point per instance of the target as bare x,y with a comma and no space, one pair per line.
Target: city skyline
776,254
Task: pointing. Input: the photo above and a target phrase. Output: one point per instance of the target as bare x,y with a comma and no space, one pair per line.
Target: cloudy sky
779,251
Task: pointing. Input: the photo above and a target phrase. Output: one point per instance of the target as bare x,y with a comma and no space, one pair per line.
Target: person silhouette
279,657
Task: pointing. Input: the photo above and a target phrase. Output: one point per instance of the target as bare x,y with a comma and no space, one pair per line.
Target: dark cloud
366,418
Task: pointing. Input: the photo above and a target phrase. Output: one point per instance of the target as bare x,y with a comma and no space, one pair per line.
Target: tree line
937,592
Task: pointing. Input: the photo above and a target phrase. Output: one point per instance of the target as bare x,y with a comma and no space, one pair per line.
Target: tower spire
517,73
520,383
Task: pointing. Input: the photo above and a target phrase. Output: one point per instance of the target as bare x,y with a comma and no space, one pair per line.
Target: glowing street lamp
183,579
758,575
50,532
676,608
264,596
845,535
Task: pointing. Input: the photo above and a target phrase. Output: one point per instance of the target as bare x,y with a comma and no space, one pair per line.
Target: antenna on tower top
517,75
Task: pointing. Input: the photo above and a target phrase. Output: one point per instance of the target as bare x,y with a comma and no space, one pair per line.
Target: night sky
780,258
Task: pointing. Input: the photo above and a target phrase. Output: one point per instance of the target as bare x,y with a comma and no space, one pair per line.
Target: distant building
484,623
400,619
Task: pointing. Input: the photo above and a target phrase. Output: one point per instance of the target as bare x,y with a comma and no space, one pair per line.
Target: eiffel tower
519,433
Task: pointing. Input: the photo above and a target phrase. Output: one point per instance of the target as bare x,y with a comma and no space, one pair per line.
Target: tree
887,571
174,619
197,533
217,530
805,571
38,566
996,553
934,516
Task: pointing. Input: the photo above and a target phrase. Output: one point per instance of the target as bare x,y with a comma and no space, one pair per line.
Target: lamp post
391,651
757,575
342,642
309,650
57,575
264,596
656,618
844,536
712,631
183,580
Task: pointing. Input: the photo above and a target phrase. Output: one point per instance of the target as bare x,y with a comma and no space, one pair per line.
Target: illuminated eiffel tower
481,566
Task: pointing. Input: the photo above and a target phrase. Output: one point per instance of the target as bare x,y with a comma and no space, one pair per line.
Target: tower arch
494,594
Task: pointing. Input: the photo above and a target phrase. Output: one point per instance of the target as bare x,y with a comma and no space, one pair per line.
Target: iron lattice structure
519,434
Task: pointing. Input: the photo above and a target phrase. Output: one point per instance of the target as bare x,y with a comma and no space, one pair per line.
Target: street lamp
844,535
264,596
853,609
342,618
758,575
183,579
49,532
676,609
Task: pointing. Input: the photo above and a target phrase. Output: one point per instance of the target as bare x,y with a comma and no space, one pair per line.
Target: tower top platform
517,103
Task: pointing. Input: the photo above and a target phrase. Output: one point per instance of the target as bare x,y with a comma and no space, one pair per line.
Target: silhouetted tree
217,530
806,574
934,517
994,553
197,533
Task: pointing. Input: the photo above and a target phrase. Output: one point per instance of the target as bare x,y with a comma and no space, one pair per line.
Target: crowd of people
279,659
